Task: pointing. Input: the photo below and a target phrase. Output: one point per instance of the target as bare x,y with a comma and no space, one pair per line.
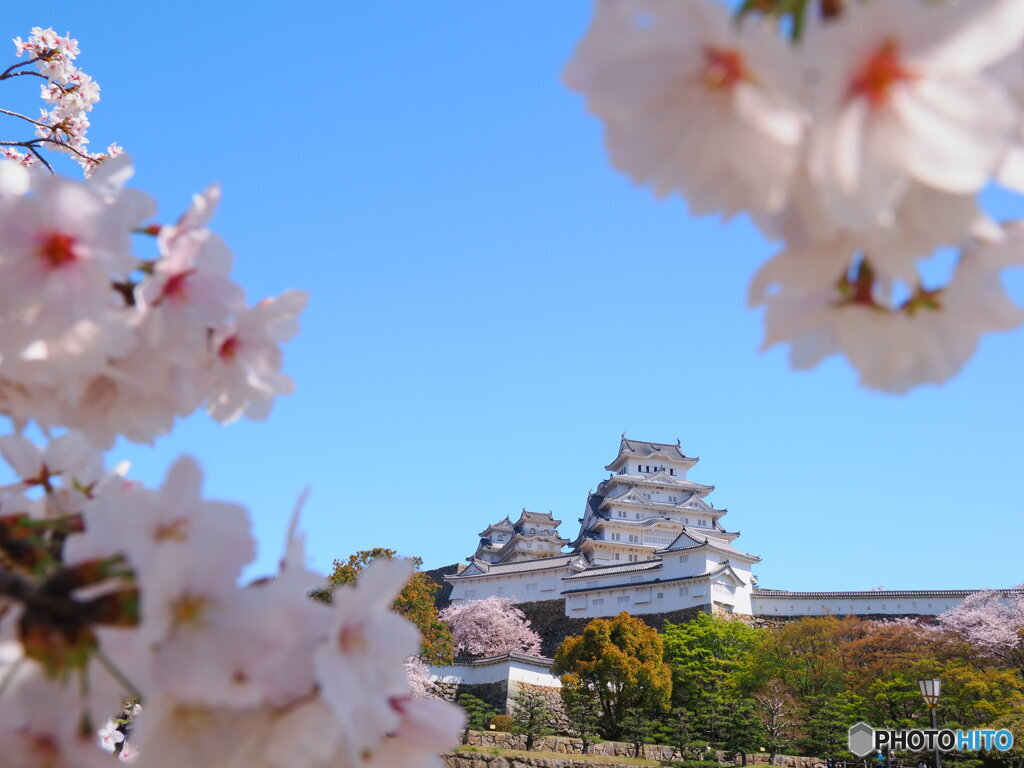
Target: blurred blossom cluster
859,133
115,597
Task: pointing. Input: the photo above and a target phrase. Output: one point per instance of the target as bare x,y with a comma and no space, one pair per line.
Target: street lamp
930,694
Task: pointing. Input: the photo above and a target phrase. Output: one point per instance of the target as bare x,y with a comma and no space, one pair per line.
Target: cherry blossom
901,94
692,102
490,627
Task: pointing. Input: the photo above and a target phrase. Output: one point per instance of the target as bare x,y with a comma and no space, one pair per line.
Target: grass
595,759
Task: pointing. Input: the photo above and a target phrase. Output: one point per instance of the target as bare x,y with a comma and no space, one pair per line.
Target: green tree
677,731
478,713
710,653
637,729
804,654
532,712
415,602
827,721
744,732
620,660
582,711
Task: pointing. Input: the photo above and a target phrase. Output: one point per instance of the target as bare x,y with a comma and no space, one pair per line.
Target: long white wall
880,603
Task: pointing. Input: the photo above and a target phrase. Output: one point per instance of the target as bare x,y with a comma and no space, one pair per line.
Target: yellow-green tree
621,662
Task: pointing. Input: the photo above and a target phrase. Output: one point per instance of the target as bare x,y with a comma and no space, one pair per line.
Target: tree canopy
621,661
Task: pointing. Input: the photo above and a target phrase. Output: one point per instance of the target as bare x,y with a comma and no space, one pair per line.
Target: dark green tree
478,713
827,720
582,711
743,732
532,712
637,729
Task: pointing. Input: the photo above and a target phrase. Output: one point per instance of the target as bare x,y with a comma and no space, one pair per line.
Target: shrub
502,723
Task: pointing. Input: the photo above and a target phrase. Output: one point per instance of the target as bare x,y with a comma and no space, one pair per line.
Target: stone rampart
563,745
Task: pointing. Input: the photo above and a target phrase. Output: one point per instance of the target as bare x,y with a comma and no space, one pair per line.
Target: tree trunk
774,754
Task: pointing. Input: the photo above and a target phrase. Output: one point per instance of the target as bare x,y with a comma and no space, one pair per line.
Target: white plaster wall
874,604
640,600
512,585
509,669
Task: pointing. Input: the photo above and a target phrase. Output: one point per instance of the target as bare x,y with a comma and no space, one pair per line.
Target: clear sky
492,304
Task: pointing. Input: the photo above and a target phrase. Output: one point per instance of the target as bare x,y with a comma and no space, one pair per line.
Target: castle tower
645,505
534,535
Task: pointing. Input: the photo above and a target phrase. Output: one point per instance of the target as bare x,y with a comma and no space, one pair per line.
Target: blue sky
492,304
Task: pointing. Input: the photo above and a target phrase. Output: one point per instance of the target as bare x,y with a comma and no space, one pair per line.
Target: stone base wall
441,597
548,619
563,745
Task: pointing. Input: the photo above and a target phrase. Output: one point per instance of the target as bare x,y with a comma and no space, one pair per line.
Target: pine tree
582,711
744,730
637,729
532,713
478,712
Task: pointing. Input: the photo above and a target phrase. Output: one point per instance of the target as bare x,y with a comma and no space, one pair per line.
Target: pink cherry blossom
490,627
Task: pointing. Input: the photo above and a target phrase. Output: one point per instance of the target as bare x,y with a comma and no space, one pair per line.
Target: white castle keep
650,542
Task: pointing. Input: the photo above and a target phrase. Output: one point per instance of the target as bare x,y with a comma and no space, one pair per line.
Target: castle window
671,471
598,601
622,599
533,530
684,558
637,515
639,468
615,536
648,467
684,591
633,558
531,587
622,513
635,579
615,555
470,594
634,538
660,595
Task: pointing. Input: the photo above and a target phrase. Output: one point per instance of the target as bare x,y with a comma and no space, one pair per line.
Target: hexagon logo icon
861,739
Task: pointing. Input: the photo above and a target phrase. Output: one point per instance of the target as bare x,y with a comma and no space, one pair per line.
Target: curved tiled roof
672,452
522,566
599,571
651,582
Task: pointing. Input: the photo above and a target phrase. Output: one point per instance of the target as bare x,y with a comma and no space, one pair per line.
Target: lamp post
930,694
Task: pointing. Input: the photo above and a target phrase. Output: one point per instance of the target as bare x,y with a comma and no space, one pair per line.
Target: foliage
478,713
620,660
532,713
582,710
490,627
743,730
637,729
415,602
710,653
504,723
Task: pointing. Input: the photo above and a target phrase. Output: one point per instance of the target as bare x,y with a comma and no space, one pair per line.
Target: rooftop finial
679,443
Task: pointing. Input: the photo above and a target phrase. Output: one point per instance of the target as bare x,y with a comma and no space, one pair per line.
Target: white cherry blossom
902,94
693,102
